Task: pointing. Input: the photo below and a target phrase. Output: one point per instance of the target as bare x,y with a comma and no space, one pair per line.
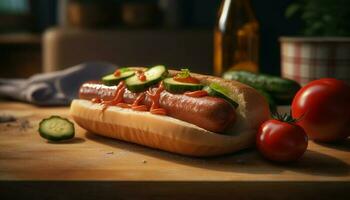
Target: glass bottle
236,38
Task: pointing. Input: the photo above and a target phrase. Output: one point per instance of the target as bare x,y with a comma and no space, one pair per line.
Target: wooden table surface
102,166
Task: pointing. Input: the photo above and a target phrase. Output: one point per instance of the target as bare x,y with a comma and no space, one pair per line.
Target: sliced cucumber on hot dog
217,90
152,76
111,79
174,86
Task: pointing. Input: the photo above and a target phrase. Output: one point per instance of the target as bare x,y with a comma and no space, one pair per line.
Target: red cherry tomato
281,141
323,107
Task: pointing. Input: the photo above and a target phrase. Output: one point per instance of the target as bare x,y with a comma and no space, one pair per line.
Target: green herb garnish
124,69
183,74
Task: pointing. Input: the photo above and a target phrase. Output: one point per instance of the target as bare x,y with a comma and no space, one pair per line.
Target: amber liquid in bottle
236,38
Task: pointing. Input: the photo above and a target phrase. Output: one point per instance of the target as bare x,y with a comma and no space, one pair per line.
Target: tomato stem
284,117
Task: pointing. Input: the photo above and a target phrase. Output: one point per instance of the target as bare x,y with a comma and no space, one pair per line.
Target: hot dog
180,112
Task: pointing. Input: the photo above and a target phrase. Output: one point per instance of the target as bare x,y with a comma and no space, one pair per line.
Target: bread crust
173,135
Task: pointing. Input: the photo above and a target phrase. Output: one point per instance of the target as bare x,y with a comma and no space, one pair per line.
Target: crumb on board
4,118
24,124
10,122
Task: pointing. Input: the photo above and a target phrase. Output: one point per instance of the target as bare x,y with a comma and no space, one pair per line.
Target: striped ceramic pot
308,58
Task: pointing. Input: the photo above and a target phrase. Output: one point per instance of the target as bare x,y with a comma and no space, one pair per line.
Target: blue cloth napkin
55,88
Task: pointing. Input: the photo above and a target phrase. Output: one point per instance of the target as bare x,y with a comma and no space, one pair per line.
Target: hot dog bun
173,135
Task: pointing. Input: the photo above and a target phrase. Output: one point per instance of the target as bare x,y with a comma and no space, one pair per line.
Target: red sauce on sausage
140,108
117,73
154,96
124,105
141,75
197,94
118,98
136,105
188,79
96,100
158,111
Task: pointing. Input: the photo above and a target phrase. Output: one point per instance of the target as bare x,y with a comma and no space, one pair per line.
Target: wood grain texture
323,172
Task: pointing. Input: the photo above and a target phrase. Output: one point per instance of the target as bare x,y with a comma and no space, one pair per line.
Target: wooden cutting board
102,166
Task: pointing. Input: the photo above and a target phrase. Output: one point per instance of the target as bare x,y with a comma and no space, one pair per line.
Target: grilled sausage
210,113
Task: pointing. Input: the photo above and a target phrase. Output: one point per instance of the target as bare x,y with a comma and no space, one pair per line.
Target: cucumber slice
174,86
114,80
217,90
153,76
56,128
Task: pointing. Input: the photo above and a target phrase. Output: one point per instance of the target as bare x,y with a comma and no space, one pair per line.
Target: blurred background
41,35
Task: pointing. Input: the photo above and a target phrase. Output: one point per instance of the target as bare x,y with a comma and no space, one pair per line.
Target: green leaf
124,69
323,17
292,10
183,74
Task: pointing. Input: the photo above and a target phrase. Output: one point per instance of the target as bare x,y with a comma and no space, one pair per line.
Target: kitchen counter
91,166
